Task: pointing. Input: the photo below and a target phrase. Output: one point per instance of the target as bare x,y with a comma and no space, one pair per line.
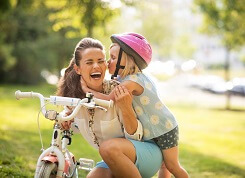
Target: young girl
130,53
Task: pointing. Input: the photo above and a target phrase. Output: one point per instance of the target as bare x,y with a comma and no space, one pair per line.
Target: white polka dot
146,133
138,110
154,119
168,124
148,86
133,77
145,100
159,105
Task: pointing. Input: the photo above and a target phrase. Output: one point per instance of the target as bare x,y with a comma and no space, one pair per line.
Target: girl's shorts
148,161
168,140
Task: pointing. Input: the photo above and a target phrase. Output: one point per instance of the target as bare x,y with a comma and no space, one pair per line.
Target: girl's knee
172,165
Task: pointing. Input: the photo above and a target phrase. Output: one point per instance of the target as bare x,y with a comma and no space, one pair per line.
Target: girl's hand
84,85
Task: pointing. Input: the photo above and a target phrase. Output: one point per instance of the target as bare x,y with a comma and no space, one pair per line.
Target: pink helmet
135,45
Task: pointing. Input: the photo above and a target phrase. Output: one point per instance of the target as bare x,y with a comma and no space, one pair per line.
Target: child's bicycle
57,161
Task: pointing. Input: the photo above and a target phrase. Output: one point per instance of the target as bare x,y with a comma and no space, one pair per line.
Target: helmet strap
118,66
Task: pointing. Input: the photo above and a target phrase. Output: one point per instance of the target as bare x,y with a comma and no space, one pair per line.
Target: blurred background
198,65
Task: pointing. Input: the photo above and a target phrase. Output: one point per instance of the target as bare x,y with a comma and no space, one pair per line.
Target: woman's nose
96,65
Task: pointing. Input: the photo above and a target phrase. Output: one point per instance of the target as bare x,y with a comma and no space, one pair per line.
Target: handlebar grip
19,94
103,103
65,101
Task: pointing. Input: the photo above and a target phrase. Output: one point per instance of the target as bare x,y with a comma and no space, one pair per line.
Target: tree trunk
227,77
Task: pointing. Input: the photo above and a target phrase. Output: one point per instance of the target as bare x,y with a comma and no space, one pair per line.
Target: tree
157,25
184,46
225,18
84,15
27,41
41,35
75,19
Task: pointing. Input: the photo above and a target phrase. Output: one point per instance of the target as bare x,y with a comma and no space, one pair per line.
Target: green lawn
212,140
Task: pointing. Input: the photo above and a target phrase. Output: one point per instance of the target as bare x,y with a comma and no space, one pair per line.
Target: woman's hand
67,124
124,100
123,97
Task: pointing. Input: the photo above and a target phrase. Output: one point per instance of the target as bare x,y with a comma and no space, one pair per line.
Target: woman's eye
89,63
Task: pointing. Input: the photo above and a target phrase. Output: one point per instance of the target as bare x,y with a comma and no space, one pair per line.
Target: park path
177,90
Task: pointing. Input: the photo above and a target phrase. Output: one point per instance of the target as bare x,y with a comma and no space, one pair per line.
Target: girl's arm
95,93
133,87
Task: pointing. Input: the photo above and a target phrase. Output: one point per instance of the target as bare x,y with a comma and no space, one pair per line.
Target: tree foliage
41,35
156,26
28,42
184,47
225,18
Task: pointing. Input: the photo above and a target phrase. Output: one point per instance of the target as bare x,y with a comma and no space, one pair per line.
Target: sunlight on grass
211,145
213,133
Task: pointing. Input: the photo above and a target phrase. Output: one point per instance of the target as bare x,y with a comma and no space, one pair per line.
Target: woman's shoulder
109,85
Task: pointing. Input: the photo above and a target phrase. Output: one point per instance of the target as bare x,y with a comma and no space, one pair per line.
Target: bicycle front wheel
48,170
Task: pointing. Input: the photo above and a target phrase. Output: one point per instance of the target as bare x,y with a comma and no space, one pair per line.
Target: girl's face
114,52
92,68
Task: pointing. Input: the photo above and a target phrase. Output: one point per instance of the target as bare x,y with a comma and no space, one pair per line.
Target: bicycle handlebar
65,101
19,94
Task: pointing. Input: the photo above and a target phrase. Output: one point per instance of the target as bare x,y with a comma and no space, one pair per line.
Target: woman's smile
96,75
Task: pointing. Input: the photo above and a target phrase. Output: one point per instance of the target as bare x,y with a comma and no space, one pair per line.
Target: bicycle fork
56,154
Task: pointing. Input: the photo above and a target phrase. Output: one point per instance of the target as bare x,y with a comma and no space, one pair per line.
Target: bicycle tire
48,170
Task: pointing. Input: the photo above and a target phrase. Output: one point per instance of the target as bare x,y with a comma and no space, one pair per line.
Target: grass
212,140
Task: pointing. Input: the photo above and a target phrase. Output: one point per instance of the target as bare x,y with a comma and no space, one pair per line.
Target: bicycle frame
58,153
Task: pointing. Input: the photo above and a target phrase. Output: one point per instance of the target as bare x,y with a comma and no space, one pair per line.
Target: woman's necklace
107,87
91,126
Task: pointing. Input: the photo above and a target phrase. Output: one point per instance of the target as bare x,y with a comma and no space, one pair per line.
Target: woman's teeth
96,75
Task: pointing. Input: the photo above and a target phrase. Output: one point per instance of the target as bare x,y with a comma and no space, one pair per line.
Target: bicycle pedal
86,164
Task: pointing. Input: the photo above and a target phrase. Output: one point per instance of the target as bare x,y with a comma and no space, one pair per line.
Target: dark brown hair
69,85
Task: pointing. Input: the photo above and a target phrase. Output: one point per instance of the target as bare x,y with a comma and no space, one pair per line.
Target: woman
137,159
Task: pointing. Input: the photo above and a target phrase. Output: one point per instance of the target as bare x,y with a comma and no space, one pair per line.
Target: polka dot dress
155,117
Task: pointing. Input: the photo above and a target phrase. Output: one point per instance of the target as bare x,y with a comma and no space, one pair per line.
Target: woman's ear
76,68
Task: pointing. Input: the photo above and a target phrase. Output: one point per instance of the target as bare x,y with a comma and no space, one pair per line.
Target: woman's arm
124,100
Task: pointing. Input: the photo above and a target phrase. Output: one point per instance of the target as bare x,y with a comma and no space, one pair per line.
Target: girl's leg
120,156
171,159
163,172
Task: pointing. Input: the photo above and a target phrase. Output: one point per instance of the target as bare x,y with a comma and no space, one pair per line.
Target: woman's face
92,68
114,51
